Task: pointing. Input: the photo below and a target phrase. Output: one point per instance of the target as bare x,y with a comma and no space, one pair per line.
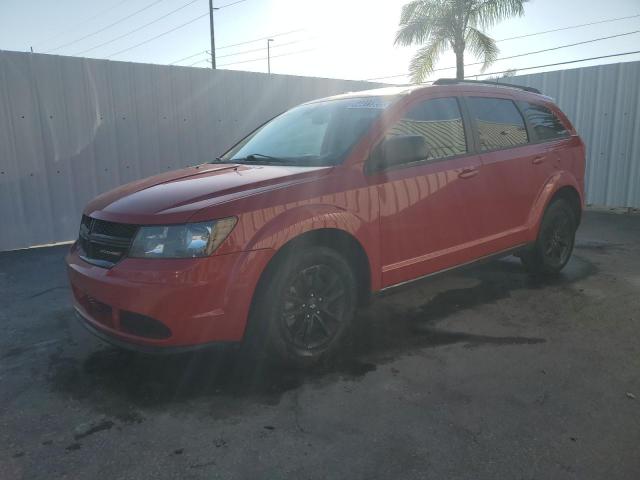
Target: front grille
119,230
105,243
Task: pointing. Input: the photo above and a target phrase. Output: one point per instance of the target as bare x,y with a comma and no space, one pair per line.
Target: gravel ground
483,373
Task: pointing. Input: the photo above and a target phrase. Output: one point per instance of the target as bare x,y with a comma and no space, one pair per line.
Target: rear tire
554,245
303,308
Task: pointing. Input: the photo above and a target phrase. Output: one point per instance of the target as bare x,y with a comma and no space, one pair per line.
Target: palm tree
443,24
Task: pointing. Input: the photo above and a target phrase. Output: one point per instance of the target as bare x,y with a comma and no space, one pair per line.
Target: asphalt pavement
483,373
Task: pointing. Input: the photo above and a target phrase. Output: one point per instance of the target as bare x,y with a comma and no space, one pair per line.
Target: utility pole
269,54
213,36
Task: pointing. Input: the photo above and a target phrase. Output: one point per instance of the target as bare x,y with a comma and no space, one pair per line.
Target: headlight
181,241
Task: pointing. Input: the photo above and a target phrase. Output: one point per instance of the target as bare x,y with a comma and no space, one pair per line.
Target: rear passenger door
508,159
553,141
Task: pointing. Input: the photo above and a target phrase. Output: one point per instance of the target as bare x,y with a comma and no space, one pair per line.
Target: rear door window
439,121
546,125
498,123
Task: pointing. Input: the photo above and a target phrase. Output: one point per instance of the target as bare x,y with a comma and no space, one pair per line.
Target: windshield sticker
370,102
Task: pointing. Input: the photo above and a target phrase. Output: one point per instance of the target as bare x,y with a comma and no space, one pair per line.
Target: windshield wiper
260,158
252,158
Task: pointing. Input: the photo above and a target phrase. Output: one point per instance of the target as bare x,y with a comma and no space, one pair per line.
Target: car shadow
116,381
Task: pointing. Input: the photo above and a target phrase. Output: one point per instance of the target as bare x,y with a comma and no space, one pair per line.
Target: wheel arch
342,242
561,185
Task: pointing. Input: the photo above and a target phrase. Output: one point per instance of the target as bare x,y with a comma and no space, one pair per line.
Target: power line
559,47
261,38
259,49
568,28
256,59
158,36
241,43
521,54
235,54
467,76
199,61
81,23
171,30
538,66
107,27
272,56
188,57
556,64
137,29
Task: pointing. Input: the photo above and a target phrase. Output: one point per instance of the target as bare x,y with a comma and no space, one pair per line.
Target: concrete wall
603,103
71,128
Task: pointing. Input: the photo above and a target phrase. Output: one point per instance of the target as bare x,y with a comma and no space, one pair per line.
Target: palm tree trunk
460,65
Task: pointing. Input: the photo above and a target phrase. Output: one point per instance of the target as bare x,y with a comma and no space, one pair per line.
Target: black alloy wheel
304,307
314,307
556,237
557,241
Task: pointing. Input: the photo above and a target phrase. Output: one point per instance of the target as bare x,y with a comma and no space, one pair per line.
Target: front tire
304,307
555,241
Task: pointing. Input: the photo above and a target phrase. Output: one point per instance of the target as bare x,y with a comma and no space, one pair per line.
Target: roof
397,91
496,83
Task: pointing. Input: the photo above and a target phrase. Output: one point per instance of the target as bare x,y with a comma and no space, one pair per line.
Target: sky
349,39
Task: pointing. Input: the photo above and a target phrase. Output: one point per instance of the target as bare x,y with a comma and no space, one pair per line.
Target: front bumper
146,349
193,302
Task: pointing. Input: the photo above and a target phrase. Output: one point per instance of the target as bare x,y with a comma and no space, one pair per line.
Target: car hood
176,195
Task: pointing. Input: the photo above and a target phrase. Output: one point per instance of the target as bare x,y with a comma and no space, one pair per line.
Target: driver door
429,209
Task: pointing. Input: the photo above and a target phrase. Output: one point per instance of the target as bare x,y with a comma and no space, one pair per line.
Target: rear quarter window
545,124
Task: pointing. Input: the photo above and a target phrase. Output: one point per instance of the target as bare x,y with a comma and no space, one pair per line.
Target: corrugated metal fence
603,103
71,128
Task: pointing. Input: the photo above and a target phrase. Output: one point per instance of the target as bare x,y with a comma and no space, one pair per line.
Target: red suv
278,241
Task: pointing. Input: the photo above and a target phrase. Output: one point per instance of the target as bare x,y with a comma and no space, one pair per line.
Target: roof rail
496,83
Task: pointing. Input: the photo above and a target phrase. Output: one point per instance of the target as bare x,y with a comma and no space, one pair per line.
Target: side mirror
398,150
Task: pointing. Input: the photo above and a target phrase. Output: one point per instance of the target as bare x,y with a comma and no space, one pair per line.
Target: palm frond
481,46
414,31
486,13
420,19
409,10
424,60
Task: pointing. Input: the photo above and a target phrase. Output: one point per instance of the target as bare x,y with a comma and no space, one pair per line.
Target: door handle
538,159
468,173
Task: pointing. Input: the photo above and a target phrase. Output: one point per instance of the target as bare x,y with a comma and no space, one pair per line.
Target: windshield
320,133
